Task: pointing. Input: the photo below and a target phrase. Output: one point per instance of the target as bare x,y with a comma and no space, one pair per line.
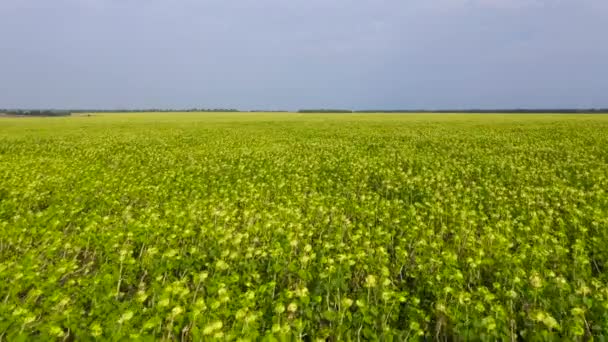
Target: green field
198,226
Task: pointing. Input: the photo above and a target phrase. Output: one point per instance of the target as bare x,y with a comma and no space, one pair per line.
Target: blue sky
289,54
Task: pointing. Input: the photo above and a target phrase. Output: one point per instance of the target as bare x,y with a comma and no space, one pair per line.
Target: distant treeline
268,111
154,110
64,112
55,112
538,111
29,112
518,110
325,111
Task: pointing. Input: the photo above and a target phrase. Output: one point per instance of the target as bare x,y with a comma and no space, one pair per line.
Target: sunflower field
315,227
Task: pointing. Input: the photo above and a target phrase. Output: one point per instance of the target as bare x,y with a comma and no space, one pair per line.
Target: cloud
443,5
278,53
510,4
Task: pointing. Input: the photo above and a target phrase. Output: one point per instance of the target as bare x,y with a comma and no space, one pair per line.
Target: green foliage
278,227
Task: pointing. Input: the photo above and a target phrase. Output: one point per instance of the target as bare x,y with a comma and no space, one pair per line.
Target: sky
290,54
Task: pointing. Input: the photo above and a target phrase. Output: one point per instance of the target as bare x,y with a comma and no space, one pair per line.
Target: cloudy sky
289,54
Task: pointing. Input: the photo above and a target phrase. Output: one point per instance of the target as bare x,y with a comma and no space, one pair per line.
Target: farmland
202,226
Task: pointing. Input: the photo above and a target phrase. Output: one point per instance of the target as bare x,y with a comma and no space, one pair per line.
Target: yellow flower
96,330
141,296
346,302
250,318
577,311
56,331
301,292
125,317
536,281
212,327
221,265
240,314
370,281
177,311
